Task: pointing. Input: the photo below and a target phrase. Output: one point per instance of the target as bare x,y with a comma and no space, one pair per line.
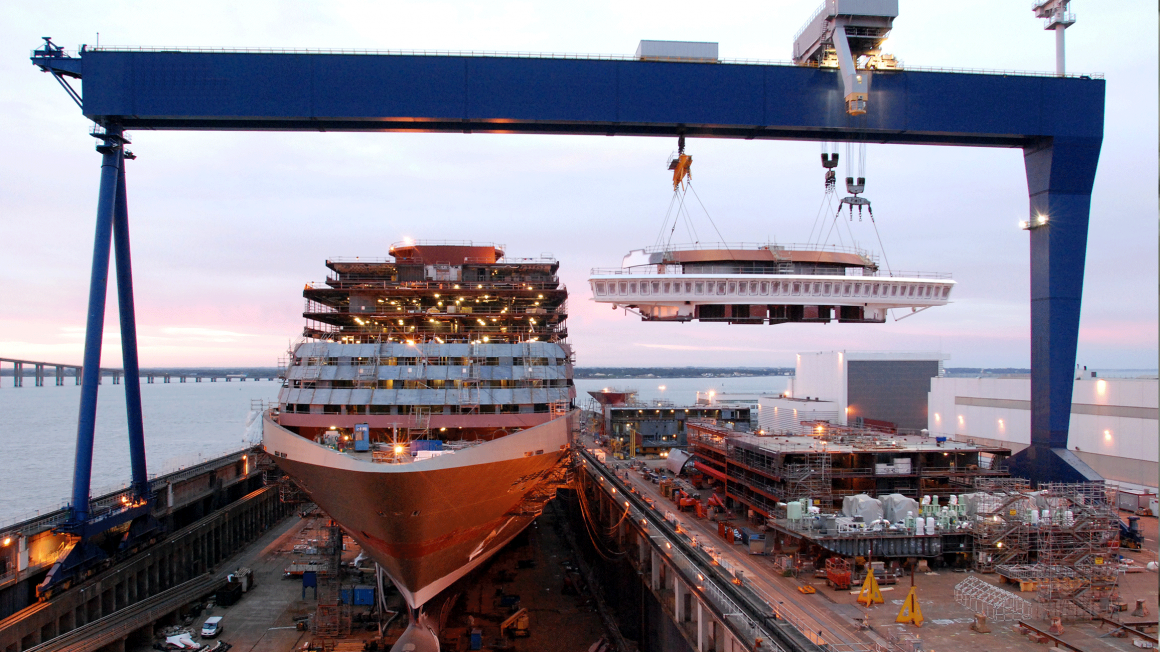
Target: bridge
62,371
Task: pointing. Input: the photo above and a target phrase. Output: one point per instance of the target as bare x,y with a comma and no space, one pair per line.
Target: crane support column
128,318
111,150
1060,176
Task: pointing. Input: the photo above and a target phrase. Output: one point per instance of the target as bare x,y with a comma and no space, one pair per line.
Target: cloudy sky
228,226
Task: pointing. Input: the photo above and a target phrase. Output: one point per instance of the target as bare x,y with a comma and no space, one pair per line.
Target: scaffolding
1077,541
1000,532
332,618
810,479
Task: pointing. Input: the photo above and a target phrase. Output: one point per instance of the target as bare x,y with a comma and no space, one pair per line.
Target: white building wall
1122,448
781,415
824,374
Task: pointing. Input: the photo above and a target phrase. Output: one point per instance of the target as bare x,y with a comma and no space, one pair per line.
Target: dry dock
829,619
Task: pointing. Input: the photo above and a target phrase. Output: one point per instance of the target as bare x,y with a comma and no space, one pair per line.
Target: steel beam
1060,176
111,152
128,320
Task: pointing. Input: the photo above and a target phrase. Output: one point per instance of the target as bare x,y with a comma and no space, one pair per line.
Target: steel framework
997,604
1077,548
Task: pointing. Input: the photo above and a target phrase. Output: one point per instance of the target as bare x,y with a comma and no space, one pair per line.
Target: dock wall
186,555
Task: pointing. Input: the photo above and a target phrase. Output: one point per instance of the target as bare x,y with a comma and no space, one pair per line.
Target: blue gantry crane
1055,119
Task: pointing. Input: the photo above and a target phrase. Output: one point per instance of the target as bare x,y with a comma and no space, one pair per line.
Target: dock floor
833,614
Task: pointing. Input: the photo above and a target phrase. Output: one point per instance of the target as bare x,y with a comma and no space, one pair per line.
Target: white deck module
764,284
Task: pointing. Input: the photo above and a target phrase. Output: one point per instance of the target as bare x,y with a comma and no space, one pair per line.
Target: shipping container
677,51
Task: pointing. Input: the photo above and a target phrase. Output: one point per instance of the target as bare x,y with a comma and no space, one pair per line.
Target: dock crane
842,33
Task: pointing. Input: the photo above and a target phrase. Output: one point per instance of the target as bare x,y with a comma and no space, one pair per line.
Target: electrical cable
592,534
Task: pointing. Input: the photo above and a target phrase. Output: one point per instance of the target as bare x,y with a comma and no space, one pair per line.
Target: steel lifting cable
681,210
707,215
661,233
880,245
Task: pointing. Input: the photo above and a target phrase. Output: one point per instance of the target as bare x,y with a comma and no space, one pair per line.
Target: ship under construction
428,409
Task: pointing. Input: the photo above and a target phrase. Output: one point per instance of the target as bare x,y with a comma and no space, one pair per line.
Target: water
184,423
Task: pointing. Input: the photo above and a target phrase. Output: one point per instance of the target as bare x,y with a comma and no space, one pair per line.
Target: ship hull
430,522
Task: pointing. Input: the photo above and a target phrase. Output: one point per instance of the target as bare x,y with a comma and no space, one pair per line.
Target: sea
186,423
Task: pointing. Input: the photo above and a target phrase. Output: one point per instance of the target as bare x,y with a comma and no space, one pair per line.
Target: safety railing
676,270
552,284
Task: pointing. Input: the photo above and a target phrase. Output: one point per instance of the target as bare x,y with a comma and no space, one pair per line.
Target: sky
227,227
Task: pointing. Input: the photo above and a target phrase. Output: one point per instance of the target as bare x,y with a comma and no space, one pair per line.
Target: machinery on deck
848,35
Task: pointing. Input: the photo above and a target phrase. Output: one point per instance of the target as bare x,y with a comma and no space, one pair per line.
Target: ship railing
776,247
553,283
678,270
395,311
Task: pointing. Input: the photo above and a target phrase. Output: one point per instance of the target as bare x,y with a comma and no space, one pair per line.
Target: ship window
928,290
700,288
797,288
893,290
817,288
765,287
721,288
857,288
668,287
775,287
732,288
741,287
875,289
644,288
846,290
753,287
946,291
599,288
632,288
911,291
826,289
623,287
656,287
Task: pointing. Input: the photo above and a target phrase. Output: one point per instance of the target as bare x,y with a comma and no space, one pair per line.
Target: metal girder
1057,121
334,92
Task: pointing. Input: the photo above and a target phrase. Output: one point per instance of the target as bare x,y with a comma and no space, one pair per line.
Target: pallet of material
300,568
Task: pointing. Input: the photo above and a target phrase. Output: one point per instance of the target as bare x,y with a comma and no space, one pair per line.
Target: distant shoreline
611,373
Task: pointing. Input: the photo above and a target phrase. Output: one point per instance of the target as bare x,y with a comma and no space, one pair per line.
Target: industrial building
634,427
883,389
1114,425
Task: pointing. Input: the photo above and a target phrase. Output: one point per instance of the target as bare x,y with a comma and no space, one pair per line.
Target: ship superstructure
430,409
444,337
763,283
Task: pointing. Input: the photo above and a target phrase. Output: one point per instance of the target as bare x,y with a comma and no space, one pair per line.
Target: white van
212,627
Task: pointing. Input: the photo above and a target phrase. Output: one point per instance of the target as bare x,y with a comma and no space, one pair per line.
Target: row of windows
438,361
773,288
430,383
305,408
